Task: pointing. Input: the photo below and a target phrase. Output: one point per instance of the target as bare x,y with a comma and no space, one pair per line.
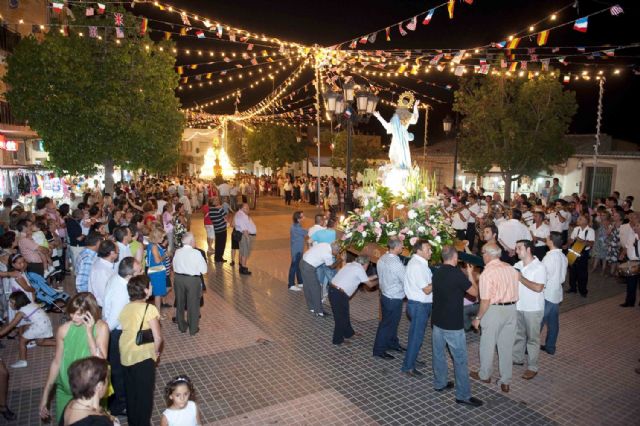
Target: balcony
6,117
8,39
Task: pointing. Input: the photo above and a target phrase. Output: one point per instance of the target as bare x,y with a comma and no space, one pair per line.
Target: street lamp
448,126
340,105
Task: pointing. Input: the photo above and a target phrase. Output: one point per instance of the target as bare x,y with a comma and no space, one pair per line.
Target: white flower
421,229
376,224
391,233
349,235
400,206
378,198
364,234
380,204
412,214
366,213
438,239
410,232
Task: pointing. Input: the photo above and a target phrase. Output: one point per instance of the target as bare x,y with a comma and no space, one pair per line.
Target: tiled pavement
260,358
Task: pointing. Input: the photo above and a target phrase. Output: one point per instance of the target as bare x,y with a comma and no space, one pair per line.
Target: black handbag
236,235
144,336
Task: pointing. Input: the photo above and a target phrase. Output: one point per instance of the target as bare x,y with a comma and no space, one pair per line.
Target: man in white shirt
475,215
224,188
631,250
319,254
243,223
459,217
116,298
186,203
527,215
529,308
555,262
559,220
417,288
122,235
102,269
188,265
579,271
342,287
319,224
540,232
512,231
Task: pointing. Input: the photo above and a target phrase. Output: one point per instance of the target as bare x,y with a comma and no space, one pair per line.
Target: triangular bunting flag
183,31
144,24
93,32
185,19
402,31
513,66
450,7
372,38
513,43
581,24
167,35
388,32
101,8
545,64
363,39
89,12
119,32
543,36
412,24
427,17
200,34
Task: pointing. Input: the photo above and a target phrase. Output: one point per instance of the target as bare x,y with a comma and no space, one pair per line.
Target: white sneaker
294,288
32,344
300,285
19,364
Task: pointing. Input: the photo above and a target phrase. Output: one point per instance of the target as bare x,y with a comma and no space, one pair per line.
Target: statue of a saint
399,152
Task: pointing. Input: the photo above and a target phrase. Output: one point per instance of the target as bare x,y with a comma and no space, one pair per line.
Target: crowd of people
132,260
517,255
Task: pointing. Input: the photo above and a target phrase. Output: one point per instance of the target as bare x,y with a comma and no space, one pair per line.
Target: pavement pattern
261,358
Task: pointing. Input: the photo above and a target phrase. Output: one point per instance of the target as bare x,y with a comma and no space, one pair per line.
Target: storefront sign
8,145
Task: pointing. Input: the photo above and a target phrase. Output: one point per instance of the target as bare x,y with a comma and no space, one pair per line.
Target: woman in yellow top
139,361
83,336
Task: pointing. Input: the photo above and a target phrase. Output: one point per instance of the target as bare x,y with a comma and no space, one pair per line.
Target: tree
97,102
363,149
274,146
516,125
236,145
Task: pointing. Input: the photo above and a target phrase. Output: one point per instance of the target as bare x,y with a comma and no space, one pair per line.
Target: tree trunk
506,177
108,176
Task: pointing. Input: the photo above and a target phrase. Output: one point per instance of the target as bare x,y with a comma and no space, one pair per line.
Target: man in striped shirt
218,216
497,316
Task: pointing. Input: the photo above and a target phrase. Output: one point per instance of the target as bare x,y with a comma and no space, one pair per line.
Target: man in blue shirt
85,260
327,235
298,235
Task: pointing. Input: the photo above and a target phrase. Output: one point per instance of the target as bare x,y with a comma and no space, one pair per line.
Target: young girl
33,322
182,410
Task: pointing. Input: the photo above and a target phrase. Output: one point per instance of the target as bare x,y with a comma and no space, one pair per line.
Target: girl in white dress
182,410
33,322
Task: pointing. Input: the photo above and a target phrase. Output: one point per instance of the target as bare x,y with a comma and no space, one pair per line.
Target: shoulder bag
144,336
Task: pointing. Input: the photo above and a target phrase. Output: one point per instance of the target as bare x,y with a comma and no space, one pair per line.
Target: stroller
54,300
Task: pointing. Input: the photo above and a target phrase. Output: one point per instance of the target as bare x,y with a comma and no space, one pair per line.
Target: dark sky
328,22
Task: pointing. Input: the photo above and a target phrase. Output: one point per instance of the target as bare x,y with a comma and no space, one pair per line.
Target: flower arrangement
373,224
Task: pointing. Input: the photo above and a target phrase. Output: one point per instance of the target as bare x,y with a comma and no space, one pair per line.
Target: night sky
329,22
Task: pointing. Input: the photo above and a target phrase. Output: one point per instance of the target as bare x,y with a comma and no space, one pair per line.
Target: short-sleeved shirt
587,234
499,282
297,234
555,262
418,277
319,254
449,288
391,272
30,250
541,231
349,277
130,319
324,236
529,300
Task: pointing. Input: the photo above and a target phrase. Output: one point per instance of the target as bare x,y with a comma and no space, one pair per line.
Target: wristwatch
478,318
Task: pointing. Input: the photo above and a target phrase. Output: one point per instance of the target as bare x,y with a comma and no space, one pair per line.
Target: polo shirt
217,215
319,254
418,277
529,300
349,277
449,287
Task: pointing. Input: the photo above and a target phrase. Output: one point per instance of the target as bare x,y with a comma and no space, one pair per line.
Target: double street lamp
340,105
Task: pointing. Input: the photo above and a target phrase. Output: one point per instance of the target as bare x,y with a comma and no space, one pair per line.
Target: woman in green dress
83,336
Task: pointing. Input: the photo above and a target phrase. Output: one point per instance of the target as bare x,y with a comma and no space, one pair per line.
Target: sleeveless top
184,417
76,347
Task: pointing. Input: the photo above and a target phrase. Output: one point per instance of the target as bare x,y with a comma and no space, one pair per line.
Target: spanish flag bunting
194,66
513,66
161,7
184,79
354,44
143,26
269,59
388,31
180,70
183,31
167,35
513,43
450,6
543,37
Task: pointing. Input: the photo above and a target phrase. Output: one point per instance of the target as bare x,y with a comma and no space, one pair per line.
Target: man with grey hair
342,287
188,265
497,315
391,272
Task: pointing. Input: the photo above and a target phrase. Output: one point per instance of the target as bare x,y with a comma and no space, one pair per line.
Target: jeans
387,334
552,319
419,313
294,269
457,343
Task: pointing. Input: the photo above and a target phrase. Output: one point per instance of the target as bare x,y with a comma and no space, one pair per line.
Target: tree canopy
515,124
363,149
97,101
237,145
274,146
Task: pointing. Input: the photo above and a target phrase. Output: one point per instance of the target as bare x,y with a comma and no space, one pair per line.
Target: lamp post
447,125
341,106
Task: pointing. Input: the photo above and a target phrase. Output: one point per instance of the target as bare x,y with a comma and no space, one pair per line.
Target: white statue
399,152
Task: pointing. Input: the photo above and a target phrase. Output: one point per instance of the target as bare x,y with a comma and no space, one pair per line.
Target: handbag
236,235
144,336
